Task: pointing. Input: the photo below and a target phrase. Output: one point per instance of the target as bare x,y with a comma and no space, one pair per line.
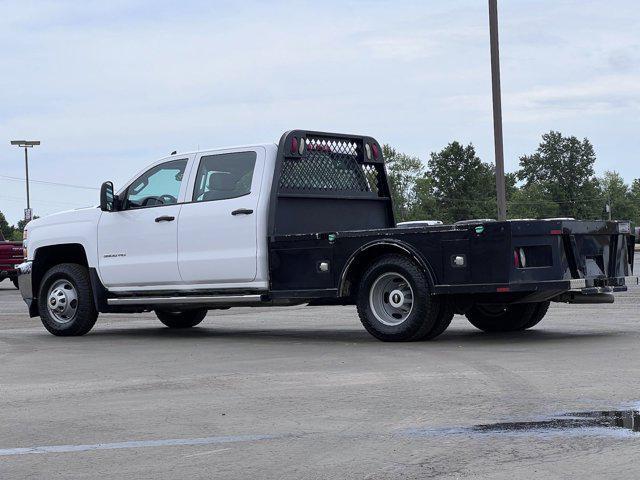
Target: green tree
403,171
562,172
463,186
5,228
531,202
425,206
617,193
635,189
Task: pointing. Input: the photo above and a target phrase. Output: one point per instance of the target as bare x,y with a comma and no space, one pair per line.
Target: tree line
11,232
557,180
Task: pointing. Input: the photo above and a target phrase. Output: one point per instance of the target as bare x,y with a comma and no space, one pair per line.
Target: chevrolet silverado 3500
306,221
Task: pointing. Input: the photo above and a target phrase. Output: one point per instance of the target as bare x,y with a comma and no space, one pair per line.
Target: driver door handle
242,211
165,218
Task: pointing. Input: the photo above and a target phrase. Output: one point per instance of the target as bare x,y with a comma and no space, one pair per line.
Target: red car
11,255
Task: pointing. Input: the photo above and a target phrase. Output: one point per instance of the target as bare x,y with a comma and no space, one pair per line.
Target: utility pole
497,109
28,213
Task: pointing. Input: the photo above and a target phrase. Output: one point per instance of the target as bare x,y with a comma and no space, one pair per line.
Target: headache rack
327,182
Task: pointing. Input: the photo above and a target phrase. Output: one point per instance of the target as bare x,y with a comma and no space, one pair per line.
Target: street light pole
26,144
497,109
26,172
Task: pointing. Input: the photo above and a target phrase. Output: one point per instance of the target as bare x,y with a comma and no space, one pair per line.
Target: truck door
137,245
217,230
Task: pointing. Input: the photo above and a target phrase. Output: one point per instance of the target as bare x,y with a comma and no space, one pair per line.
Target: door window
224,176
160,185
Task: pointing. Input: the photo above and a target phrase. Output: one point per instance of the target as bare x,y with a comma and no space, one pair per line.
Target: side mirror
107,197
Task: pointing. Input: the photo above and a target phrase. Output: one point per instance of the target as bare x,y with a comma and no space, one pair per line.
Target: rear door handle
242,211
165,218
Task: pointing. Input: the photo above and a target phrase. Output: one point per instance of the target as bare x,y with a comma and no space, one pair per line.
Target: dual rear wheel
509,318
395,304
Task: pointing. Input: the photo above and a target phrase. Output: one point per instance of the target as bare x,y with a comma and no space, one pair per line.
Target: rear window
224,176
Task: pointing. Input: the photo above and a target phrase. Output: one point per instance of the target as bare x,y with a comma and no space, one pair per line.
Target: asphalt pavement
305,392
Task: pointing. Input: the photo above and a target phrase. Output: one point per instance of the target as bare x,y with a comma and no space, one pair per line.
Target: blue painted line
171,442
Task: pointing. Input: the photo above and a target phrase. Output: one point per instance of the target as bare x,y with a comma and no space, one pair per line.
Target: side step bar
579,297
187,300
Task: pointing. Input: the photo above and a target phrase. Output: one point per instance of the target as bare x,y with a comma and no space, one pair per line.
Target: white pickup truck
307,220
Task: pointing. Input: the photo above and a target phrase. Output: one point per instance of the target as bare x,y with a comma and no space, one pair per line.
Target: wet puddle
617,422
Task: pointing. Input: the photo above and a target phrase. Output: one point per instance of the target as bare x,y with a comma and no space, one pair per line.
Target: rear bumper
25,286
585,285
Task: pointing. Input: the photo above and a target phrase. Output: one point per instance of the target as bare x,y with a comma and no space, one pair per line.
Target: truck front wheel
65,300
181,318
394,301
509,318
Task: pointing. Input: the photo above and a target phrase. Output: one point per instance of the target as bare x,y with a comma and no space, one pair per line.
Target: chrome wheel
391,299
62,301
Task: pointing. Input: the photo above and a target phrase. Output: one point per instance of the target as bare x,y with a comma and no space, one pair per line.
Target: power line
21,200
44,182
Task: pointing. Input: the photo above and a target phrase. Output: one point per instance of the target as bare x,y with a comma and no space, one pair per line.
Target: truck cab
306,220
195,220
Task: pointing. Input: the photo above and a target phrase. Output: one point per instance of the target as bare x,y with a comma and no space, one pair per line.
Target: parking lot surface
305,392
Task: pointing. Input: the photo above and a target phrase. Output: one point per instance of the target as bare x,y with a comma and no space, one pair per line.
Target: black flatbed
335,223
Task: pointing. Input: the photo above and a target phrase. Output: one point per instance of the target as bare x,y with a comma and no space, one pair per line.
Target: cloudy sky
110,86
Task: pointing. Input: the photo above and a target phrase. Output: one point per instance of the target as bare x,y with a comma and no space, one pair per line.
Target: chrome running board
187,300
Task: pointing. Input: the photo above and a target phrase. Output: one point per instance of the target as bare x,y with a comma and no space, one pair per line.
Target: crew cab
308,220
11,255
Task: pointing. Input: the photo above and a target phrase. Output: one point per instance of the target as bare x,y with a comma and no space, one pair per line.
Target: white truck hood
69,227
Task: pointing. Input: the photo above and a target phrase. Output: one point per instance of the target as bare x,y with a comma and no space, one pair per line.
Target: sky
108,87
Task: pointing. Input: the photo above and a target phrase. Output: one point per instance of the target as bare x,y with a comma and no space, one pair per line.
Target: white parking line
134,444
208,452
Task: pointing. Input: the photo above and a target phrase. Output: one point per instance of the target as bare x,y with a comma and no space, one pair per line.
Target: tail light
519,258
523,258
375,151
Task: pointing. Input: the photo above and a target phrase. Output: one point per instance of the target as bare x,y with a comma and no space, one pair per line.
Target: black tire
422,315
182,318
510,318
538,314
85,312
443,319
14,280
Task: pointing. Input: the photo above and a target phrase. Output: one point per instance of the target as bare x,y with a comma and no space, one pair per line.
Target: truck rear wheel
181,318
498,318
394,301
538,315
65,300
443,319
